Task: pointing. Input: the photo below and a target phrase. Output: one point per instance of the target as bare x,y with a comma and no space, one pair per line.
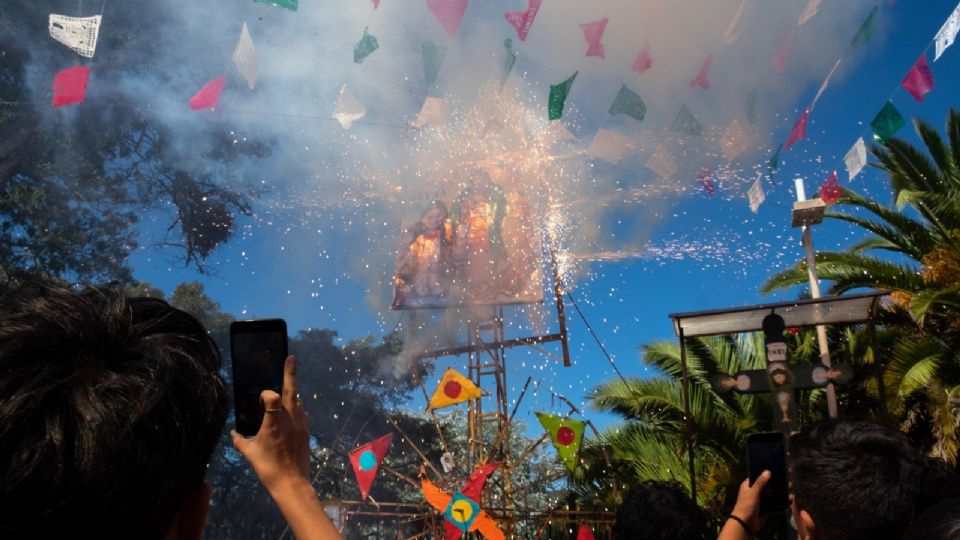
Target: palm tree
921,236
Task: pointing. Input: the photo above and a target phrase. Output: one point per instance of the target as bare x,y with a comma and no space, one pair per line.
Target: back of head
655,510
939,522
110,410
856,478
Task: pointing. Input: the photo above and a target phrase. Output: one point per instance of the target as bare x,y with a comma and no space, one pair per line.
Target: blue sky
314,251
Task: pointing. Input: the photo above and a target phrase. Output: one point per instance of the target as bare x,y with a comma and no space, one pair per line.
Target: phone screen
258,350
768,452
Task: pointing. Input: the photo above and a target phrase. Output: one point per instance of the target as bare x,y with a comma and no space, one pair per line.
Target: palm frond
849,271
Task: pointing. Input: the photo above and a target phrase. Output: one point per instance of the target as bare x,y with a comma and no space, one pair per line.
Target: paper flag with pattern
453,388
799,131
887,122
867,30
558,97
831,191
348,109
593,33
449,13
209,95
808,13
365,47
856,158
245,57
566,434
919,80
947,34
686,123
730,37
629,103
774,162
585,533
736,140
506,64
825,83
433,56
643,61
661,163
755,194
783,52
472,488
70,86
285,4
78,33
609,146
366,462
434,111
701,78
706,179
523,20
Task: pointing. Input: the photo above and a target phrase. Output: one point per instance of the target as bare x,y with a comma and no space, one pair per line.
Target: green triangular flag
506,66
558,97
566,434
751,106
285,4
867,29
686,123
433,56
888,121
629,103
774,162
365,47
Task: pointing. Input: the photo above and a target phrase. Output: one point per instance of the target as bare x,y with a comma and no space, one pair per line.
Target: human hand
747,507
280,451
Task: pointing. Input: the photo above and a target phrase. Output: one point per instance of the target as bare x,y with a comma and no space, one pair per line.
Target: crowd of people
110,408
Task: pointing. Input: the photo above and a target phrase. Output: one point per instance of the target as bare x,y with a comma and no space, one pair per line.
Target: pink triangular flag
70,86
701,78
208,96
783,52
643,60
919,81
449,13
376,4
593,33
831,191
523,20
585,534
799,130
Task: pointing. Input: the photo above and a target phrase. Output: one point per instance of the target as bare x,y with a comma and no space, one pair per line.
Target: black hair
857,479
940,522
655,510
110,410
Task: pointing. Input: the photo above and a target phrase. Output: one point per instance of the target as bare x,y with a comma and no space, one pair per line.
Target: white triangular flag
661,162
947,34
812,8
729,37
556,132
825,83
609,146
736,140
856,158
78,33
245,57
434,112
492,127
755,194
348,109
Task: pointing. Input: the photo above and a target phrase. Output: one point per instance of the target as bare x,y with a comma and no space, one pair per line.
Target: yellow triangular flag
453,388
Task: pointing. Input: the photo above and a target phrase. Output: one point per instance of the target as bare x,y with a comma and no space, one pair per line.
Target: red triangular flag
366,461
831,191
799,130
706,178
585,534
376,4
643,61
593,33
449,13
701,78
70,86
208,96
523,20
780,59
919,81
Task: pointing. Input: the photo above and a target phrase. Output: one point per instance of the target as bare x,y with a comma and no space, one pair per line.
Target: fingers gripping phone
258,350
768,452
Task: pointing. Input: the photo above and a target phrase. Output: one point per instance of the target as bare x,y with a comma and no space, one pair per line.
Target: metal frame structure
831,310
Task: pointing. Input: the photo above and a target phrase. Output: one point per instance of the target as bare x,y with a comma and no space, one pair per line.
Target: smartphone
258,350
768,452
